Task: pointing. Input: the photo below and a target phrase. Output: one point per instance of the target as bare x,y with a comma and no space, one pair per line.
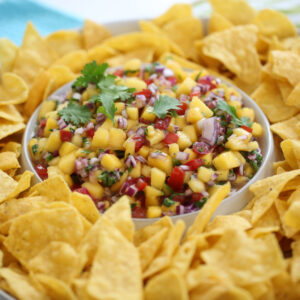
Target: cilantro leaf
168,202
108,178
75,114
109,92
164,104
34,148
230,110
92,73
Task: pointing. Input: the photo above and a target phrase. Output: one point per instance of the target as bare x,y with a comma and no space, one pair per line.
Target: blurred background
51,15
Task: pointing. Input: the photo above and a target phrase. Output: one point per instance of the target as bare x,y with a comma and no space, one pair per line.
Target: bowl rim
28,134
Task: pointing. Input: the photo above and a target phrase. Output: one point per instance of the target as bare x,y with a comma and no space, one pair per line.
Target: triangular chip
8,52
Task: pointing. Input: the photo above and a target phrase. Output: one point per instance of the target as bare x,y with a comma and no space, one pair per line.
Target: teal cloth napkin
14,14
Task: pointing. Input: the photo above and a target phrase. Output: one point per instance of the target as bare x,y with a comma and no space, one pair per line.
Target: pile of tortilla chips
53,242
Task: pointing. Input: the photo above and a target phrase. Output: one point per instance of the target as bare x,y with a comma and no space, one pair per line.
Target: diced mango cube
154,212
100,138
194,115
235,104
66,148
205,110
207,159
67,163
205,174
156,137
119,106
53,142
133,113
152,196
191,153
148,114
110,162
50,125
173,150
129,146
132,64
183,140
77,140
158,178
144,151
196,185
136,171
108,124
146,171
117,138
163,162
257,129
222,175
246,112
134,82
95,189
46,107
180,122
186,86
190,131
226,160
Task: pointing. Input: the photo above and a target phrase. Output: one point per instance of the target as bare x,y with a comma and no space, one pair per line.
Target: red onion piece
122,122
131,190
185,168
61,124
210,130
182,156
79,131
157,154
141,159
130,161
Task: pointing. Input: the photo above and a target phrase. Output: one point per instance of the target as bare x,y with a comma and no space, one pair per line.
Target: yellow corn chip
64,41
287,129
7,185
8,160
295,263
268,97
294,96
167,285
8,51
10,113
85,206
33,55
291,152
218,23
74,60
13,89
101,53
13,147
235,48
8,128
174,12
184,31
271,22
231,9
93,34
107,278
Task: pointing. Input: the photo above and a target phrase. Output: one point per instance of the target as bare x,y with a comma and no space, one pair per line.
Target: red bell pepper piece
170,138
65,135
146,92
183,106
162,124
42,171
247,128
195,163
176,180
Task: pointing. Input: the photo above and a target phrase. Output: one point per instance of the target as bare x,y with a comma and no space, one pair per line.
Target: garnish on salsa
162,139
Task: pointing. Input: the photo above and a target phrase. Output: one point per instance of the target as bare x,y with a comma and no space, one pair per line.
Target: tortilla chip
13,147
85,206
7,185
164,256
111,267
231,9
262,258
75,60
235,48
101,53
64,41
295,263
285,90
8,160
131,41
286,65
217,195
120,216
271,22
268,97
167,285
8,128
20,285
184,31
291,152
31,233
218,23
33,55
148,26
174,12
8,52
149,248
93,34
58,259
294,96
10,113
13,89
55,188
287,129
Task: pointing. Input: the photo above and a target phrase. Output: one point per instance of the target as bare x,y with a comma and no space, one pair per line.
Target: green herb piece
126,72
130,169
168,202
230,110
176,162
120,153
34,149
89,168
92,73
200,203
108,178
49,157
132,206
75,114
164,104
86,151
255,163
173,113
198,76
167,189
109,92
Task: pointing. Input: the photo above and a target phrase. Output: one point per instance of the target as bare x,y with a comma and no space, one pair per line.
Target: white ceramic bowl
231,204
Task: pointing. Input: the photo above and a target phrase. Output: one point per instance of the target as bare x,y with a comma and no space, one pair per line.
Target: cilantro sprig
91,73
164,105
230,110
75,114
